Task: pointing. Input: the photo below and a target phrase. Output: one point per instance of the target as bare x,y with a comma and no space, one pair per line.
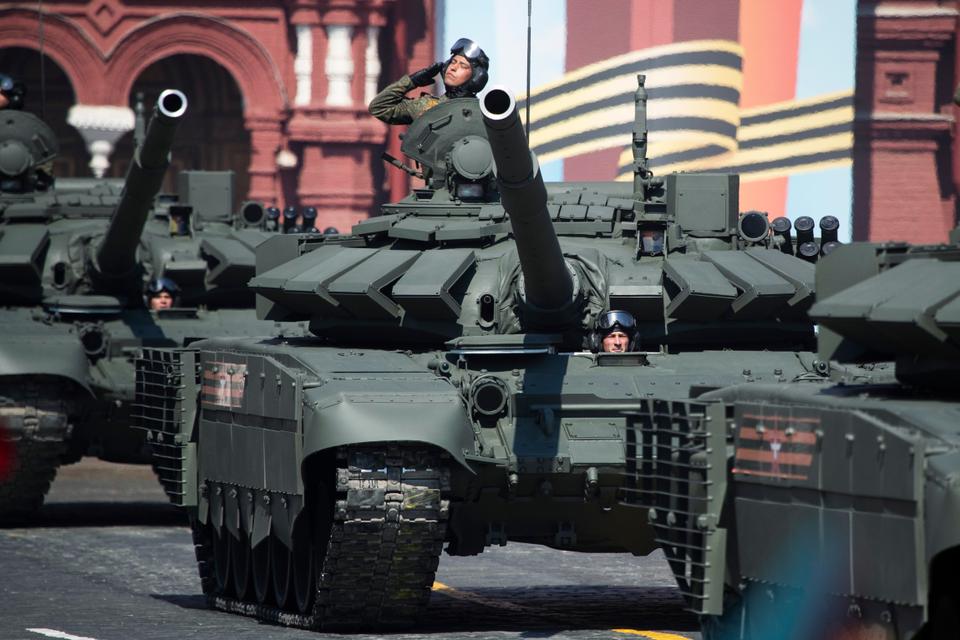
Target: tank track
34,419
389,525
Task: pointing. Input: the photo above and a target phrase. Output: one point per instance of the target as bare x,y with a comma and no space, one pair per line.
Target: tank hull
279,421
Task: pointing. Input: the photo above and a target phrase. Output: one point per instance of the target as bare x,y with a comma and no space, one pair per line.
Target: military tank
449,394
75,255
823,508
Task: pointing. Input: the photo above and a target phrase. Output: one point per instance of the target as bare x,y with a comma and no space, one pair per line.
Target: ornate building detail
101,126
372,65
294,63
905,150
339,65
303,65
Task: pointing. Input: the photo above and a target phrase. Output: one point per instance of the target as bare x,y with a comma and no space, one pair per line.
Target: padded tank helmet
479,62
610,322
158,284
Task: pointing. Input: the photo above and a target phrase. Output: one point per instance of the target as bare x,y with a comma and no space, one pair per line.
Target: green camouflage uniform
393,107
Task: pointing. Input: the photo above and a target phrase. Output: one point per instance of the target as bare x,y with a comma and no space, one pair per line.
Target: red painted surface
905,150
104,46
770,37
631,25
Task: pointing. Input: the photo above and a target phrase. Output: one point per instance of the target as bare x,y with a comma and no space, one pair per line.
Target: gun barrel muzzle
170,107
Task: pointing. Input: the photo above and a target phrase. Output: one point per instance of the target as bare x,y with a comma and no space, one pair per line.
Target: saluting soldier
464,75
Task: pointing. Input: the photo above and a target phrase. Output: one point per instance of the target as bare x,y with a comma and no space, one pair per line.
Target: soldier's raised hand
425,76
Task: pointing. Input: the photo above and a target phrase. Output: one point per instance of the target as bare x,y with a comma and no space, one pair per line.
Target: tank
75,255
450,395
823,508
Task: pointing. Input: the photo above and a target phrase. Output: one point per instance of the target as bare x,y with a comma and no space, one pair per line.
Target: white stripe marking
53,633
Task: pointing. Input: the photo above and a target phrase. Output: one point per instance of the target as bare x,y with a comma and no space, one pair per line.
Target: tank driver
464,75
162,293
615,332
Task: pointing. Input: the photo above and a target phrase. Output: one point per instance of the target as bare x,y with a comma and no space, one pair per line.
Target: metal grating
165,406
676,469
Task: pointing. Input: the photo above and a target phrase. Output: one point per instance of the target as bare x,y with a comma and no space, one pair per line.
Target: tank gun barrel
116,254
548,283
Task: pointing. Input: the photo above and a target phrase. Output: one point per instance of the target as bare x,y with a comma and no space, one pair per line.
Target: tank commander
162,293
615,332
11,93
179,220
464,75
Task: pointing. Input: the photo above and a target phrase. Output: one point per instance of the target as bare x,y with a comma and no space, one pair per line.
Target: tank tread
389,525
34,419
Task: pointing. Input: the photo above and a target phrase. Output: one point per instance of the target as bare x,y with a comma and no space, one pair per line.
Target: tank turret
116,254
894,303
486,248
27,144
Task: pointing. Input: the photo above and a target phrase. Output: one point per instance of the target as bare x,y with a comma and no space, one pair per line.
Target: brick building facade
278,89
906,169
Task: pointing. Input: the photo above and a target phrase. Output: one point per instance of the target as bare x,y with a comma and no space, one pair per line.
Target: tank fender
55,356
359,416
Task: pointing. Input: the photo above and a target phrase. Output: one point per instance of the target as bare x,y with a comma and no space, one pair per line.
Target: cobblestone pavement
109,559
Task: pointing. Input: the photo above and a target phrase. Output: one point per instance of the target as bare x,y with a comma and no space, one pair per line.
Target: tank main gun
116,254
548,283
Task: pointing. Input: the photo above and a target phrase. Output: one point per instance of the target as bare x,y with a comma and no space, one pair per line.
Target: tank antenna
43,75
529,12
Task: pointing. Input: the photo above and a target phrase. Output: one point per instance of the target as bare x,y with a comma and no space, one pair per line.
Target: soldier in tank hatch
12,93
162,293
464,75
614,332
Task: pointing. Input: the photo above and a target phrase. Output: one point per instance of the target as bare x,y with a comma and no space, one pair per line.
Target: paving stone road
108,559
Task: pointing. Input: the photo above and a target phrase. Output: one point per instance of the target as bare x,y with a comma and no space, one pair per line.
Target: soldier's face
162,300
616,342
4,101
458,72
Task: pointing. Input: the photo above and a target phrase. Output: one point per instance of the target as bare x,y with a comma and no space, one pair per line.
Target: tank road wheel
281,570
221,561
33,418
260,565
386,533
240,565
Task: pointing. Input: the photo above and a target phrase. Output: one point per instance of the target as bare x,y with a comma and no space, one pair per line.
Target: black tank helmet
13,91
479,62
158,284
614,320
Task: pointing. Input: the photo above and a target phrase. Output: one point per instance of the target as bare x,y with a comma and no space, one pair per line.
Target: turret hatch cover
24,138
432,136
